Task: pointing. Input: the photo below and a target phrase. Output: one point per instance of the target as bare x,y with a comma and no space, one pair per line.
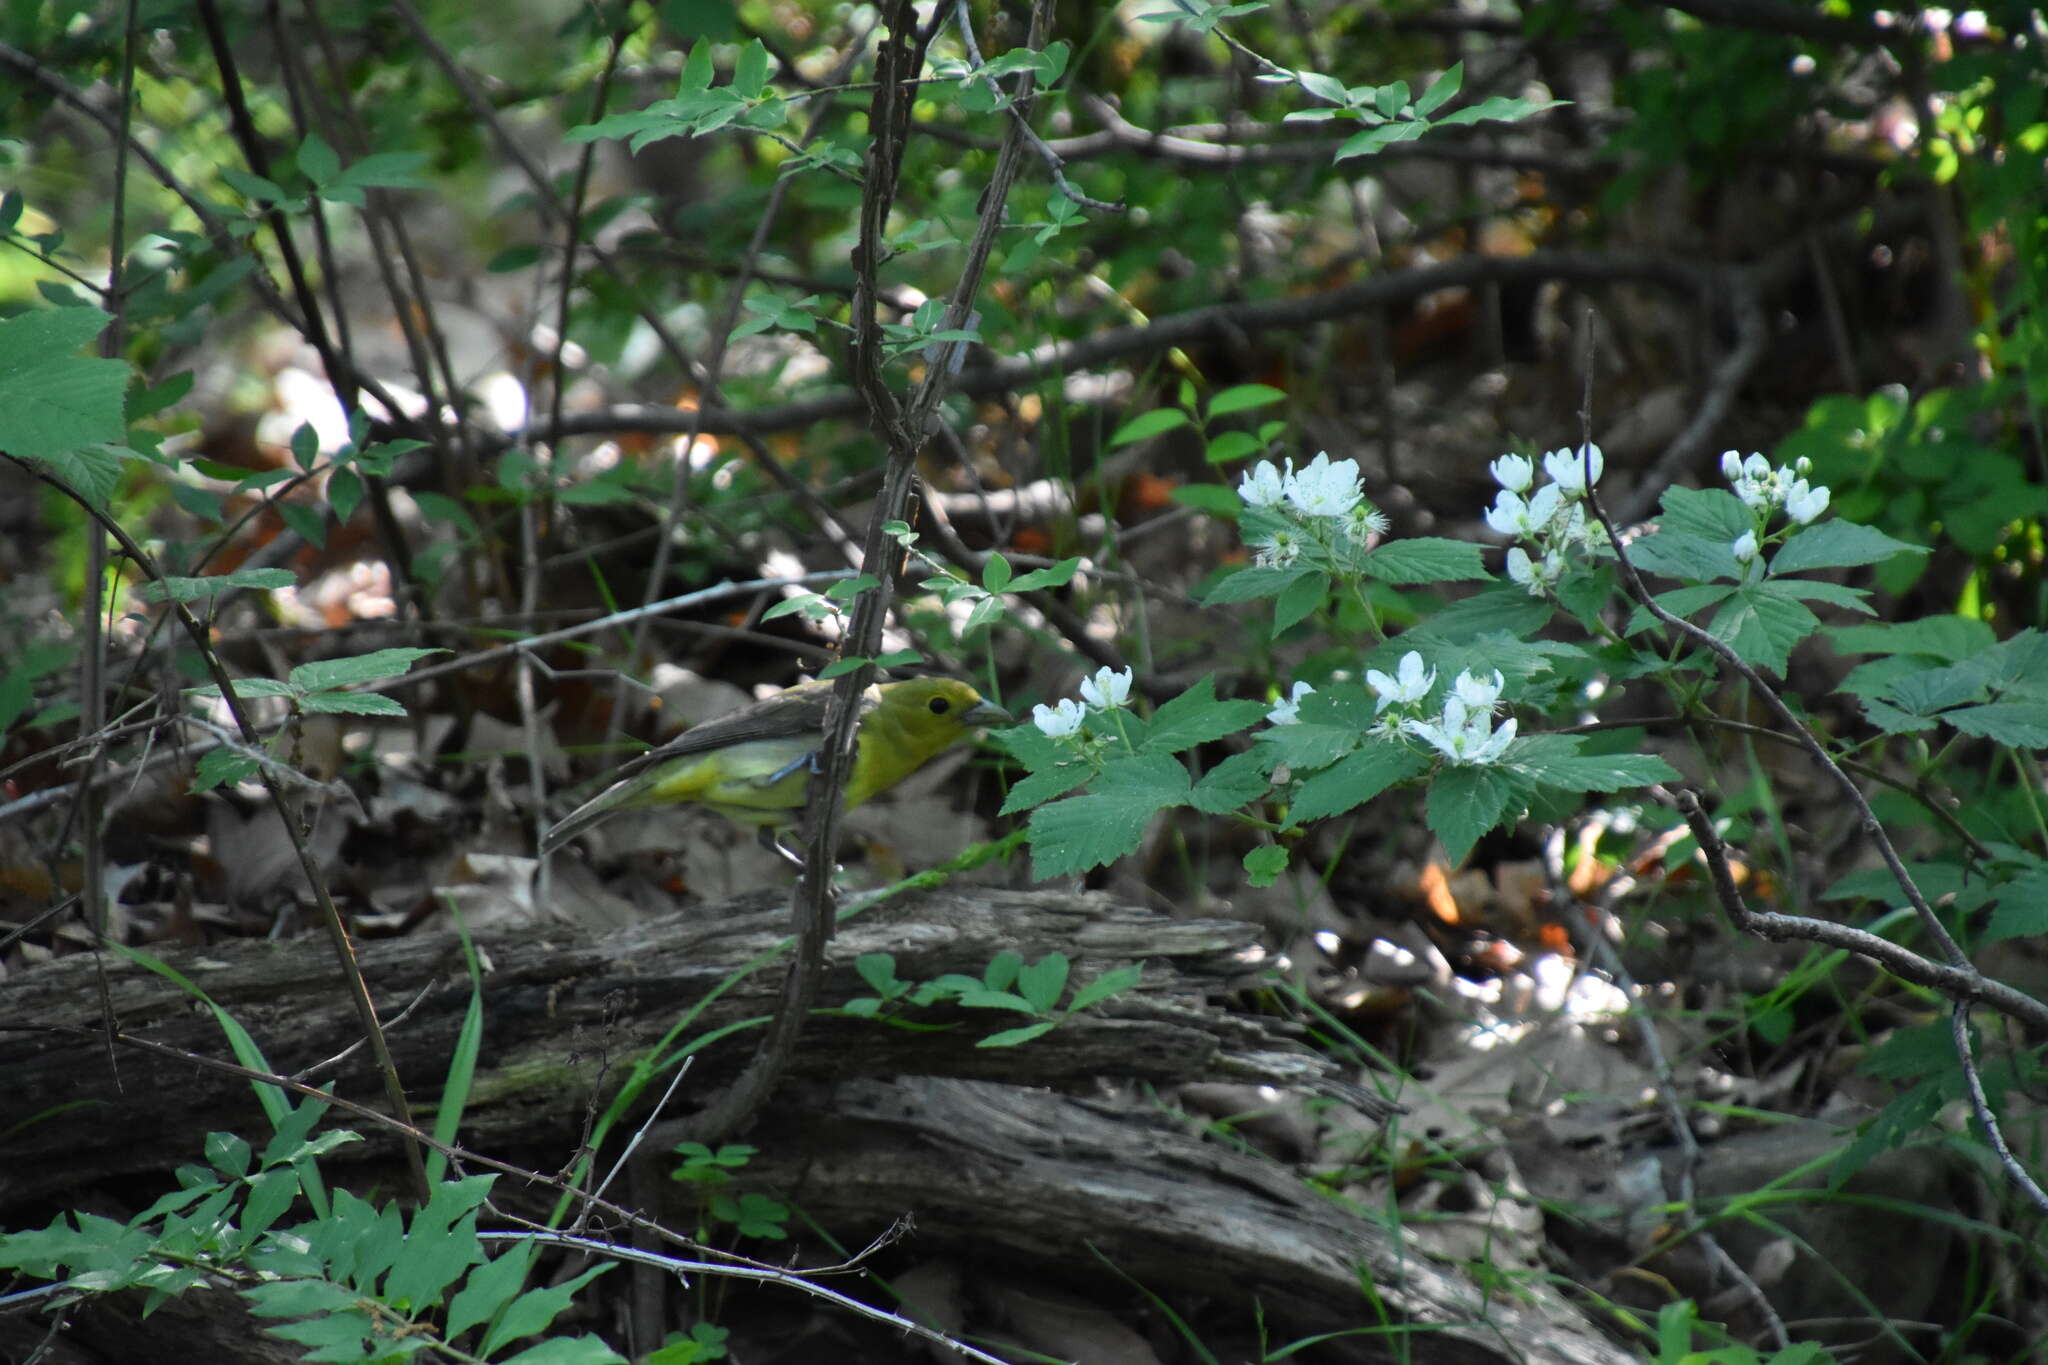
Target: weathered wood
564,1012
990,1161
998,1175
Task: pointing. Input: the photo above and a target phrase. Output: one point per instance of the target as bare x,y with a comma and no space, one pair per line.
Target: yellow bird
754,766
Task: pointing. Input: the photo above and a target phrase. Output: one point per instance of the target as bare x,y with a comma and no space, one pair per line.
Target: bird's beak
987,713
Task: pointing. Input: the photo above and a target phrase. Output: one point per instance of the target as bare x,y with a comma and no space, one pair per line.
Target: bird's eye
939,705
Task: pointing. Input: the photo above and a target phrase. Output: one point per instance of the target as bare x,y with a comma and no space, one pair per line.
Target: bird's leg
770,839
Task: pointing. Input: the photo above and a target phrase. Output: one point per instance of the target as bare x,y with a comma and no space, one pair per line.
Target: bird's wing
788,713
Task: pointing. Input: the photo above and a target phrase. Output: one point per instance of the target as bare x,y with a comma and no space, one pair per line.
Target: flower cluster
1764,489
1322,504
1465,732
1106,691
1462,730
1553,517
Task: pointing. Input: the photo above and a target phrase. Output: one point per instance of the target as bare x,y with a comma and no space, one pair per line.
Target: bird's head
928,714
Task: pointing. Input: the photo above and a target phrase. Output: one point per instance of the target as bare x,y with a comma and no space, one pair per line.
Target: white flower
1756,468
1509,514
1264,484
1325,488
1364,522
1744,547
1057,722
1522,571
1107,690
1278,549
1287,711
1803,504
1569,468
1513,472
1477,692
1412,685
1731,466
1465,738
1802,466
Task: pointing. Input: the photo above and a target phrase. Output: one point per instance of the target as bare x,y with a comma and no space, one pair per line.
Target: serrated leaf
1948,638
1762,623
1425,559
1297,602
2021,724
193,589
1197,717
1232,784
1263,865
2022,908
1250,584
1354,780
351,704
1681,554
1711,514
1556,761
1837,545
222,768
361,668
1466,801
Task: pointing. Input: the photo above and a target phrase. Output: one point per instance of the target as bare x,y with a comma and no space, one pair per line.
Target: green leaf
1081,832
193,589
995,574
1249,584
351,704
750,75
344,493
1214,498
532,1311
1197,717
1467,800
1712,514
317,161
2021,724
1011,1037
583,1350
1234,783
54,402
1440,90
222,768
1425,559
1044,981
1498,107
489,1288
1838,545
1948,638
361,668
1298,601
1110,983
1263,865
1354,780
1680,602
1556,761
1153,423
1054,576
1373,139
1232,445
1681,554
1762,623
2022,908
1243,398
